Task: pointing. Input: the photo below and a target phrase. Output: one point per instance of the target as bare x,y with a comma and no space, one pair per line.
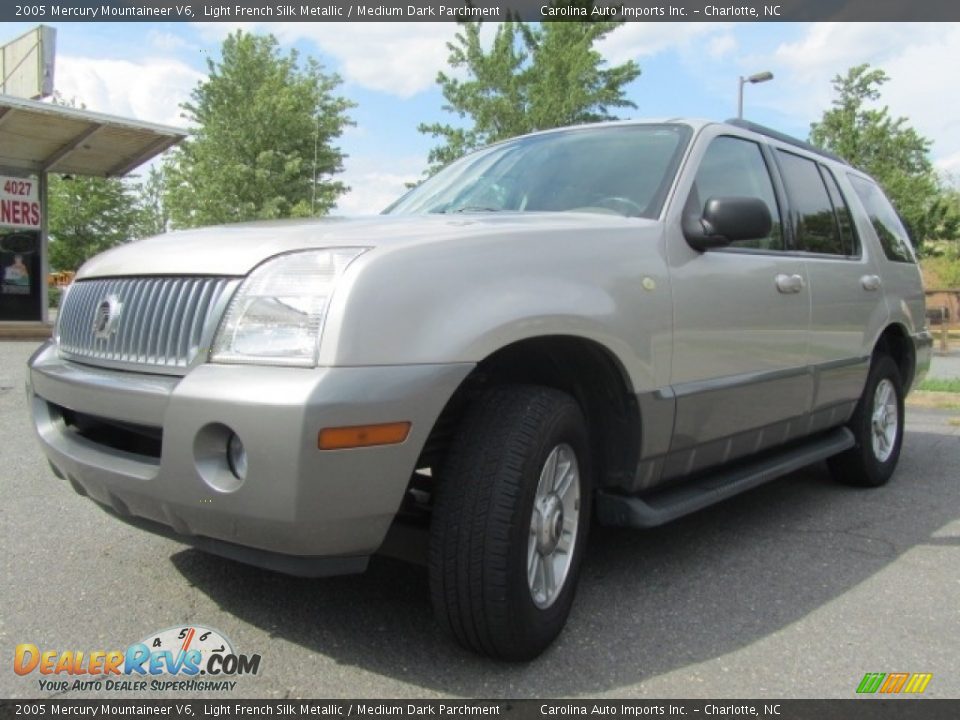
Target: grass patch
936,400
949,385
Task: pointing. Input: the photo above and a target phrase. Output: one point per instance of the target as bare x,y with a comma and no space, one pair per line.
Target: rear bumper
923,352
299,509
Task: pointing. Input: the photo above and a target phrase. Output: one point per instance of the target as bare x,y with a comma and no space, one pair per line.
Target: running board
665,505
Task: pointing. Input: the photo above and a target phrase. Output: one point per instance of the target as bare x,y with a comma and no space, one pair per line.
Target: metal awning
38,136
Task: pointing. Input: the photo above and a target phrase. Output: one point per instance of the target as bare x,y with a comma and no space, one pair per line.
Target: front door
741,320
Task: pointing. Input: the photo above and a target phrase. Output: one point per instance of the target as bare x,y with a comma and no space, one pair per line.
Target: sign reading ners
19,203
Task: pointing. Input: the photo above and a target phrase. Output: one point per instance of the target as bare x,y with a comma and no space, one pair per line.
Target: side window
733,167
815,225
893,236
848,231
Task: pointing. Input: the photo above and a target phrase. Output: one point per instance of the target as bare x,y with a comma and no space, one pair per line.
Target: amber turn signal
356,436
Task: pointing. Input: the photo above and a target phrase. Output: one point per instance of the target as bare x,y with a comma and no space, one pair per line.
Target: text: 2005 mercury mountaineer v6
621,322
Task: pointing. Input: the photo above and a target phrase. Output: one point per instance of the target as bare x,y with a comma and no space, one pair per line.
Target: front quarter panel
462,299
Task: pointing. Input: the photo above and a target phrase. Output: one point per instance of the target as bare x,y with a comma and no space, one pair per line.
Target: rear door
845,288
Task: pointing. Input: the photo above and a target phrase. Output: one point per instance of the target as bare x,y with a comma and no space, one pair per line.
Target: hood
237,249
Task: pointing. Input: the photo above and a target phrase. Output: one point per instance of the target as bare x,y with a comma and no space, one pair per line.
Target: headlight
277,315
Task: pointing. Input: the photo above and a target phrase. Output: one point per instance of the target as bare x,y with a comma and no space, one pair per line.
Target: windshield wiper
466,208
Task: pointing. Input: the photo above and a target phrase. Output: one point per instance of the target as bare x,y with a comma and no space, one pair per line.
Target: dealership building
39,138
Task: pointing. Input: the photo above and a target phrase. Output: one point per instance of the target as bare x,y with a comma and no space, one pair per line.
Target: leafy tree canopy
88,215
895,154
531,78
153,218
262,143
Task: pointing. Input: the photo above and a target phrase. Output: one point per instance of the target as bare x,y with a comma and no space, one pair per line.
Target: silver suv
620,323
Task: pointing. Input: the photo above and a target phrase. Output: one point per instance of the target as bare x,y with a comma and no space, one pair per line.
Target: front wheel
877,426
510,521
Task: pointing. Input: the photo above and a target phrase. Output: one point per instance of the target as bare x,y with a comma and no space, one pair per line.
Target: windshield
622,169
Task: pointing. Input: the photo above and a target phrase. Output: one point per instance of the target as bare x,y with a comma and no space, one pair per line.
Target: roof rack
783,137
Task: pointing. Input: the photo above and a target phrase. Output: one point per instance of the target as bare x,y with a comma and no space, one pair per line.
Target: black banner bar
487,10
872,708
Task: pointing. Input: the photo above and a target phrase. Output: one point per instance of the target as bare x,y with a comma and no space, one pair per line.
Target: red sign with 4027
19,203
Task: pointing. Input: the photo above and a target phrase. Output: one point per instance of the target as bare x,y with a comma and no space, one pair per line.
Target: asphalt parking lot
795,589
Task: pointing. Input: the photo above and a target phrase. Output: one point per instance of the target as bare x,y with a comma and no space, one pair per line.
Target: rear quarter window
893,236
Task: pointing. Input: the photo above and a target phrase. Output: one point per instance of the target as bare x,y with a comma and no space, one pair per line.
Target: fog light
237,457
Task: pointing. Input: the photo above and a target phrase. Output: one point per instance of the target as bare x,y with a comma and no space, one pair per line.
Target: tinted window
815,225
848,232
893,236
625,170
733,167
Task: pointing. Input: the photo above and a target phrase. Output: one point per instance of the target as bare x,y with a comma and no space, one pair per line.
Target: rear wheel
510,521
877,426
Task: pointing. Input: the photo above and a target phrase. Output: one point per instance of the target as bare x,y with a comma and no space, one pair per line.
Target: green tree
532,78
153,218
944,220
895,154
88,215
259,122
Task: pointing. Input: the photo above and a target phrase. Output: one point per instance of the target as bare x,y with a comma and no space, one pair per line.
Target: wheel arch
582,367
896,342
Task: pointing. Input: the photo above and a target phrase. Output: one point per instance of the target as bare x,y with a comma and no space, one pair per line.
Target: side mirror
726,220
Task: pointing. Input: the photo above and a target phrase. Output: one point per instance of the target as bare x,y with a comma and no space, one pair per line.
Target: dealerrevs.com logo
186,659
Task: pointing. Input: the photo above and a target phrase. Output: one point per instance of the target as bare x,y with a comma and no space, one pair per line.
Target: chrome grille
160,324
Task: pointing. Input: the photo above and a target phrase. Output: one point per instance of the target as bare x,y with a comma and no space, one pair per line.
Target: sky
145,70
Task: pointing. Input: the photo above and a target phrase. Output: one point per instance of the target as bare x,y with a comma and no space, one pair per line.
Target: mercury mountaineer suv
617,323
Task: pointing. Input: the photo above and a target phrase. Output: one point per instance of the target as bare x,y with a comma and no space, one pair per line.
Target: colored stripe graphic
894,682
918,682
871,682
891,683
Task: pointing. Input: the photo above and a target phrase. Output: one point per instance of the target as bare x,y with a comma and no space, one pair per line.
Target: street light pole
753,80
740,99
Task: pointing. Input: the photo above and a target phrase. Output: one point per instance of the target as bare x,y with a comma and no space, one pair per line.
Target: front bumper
299,509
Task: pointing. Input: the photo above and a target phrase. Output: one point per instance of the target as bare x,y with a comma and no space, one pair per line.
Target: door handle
870,282
789,283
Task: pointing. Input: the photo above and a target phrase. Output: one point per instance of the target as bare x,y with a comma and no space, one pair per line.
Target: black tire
860,465
482,516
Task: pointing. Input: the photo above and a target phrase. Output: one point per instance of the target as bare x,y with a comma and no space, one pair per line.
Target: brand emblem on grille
107,317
